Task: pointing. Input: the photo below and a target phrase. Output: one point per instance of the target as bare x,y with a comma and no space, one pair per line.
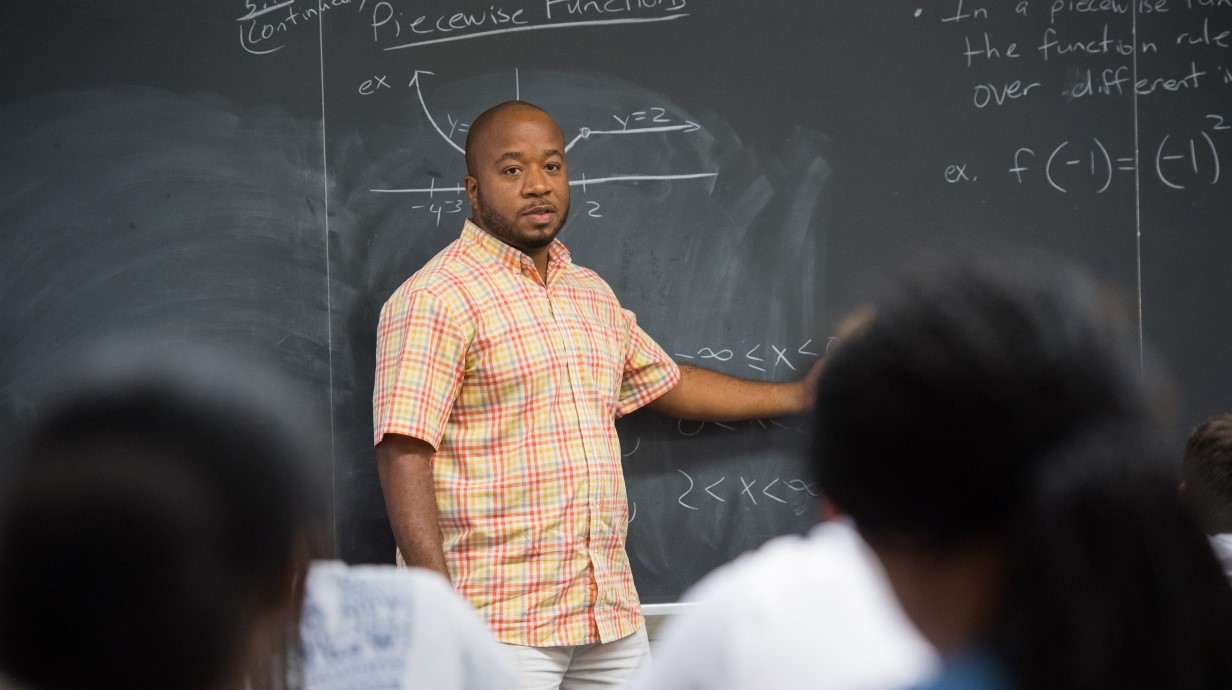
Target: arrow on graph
419,92
586,132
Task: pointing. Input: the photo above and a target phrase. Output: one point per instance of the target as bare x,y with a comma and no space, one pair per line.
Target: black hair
1115,584
156,511
1206,469
1002,399
931,415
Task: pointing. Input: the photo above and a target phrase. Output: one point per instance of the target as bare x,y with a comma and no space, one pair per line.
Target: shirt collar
507,256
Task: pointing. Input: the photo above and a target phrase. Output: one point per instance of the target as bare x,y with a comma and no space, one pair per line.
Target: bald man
501,369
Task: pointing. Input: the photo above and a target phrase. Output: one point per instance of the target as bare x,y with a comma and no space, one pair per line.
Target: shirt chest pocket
510,367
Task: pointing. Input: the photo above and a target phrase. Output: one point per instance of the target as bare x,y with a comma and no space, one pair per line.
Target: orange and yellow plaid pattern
517,384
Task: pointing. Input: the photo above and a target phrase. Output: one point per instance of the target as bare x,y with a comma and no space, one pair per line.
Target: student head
986,403
155,528
1206,473
965,372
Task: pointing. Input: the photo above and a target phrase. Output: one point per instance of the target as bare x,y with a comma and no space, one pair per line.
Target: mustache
539,208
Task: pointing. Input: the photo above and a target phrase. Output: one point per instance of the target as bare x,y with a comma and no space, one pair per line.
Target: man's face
519,189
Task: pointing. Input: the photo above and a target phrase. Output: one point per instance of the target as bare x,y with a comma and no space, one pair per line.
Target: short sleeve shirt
517,385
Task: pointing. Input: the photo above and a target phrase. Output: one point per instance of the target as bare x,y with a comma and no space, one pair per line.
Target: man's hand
808,385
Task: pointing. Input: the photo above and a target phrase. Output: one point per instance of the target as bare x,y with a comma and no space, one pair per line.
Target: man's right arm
404,464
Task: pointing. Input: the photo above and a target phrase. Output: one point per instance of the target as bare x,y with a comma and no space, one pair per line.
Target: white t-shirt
383,627
1222,544
813,611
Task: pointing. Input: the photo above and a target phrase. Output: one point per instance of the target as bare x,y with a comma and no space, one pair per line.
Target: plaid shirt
517,386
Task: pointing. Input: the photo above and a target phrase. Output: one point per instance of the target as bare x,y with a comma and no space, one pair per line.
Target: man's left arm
709,396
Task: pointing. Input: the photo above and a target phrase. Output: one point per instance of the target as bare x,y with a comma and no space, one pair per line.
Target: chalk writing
440,209
266,26
686,493
1060,8
988,51
753,358
1191,80
636,445
586,132
396,28
689,429
1206,36
1188,152
767,494
1179,162
986,94
1053,46
643,121
1005,53
957,172
371,86
1063,38
1091,82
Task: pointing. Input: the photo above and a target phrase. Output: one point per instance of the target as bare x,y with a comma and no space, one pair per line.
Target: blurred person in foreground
987,432
1206,483
157,532
990,434
156,529
801,611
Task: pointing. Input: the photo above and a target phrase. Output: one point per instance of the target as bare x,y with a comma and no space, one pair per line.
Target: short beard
502,229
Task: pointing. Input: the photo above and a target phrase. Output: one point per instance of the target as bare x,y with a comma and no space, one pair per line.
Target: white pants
602,665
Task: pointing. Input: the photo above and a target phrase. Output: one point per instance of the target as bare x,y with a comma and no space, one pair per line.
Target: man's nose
536,183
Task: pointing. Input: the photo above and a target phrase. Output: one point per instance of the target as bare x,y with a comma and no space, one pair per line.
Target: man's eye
553,166
511,171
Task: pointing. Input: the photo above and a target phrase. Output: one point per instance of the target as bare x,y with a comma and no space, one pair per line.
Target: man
1206,483
501,366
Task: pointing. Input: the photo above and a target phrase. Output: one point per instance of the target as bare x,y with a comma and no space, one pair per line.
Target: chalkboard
261,174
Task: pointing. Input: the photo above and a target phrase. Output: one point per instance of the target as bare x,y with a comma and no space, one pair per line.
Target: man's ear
472,190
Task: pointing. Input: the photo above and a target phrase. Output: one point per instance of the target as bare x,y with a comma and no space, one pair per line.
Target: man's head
932,417
516,178
1206,473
